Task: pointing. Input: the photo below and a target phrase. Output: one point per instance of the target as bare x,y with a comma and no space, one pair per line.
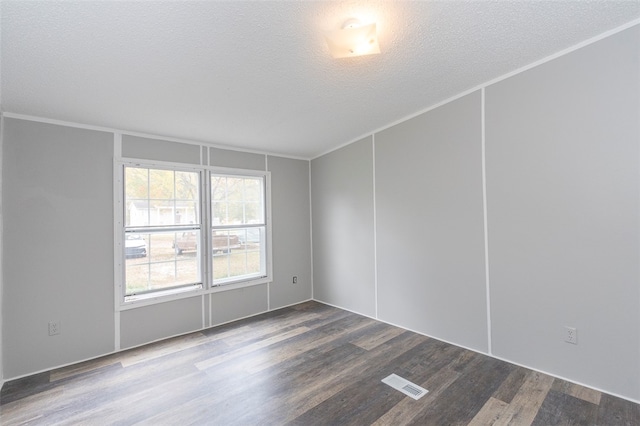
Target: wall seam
266,169
638,272
117,153
485,219
204,152
375,225
2,124
203,310
311,230
210,309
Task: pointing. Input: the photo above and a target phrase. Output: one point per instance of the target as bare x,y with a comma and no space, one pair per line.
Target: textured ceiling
258,75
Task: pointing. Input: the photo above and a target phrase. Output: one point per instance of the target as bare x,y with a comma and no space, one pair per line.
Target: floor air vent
405,386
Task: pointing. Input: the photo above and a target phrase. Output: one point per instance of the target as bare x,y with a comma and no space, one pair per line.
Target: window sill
154,298
178,294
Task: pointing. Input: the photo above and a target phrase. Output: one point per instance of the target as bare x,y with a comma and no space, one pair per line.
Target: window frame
207,285
213,228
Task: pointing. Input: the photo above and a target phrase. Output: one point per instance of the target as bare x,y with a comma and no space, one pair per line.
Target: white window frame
255,280
206,255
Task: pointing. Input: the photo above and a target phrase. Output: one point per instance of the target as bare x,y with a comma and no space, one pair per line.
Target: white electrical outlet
54,328
571,335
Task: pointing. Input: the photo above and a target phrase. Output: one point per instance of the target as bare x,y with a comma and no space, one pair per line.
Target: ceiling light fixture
354,39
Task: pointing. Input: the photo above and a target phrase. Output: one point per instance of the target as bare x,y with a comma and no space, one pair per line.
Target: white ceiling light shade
354,39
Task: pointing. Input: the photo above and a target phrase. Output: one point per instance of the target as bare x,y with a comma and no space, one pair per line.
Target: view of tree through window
165,230
238,218
160,207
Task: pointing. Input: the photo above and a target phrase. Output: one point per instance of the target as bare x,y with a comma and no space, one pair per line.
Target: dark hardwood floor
304,365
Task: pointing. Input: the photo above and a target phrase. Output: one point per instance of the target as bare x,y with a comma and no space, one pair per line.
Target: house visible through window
173,242
160,207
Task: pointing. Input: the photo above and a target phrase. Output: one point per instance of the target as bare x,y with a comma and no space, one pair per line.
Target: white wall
58,220
562,194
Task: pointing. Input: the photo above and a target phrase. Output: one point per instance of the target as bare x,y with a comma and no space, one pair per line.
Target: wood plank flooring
309,364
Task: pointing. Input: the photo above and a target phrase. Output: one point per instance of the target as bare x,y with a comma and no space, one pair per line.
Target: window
238,227
160,207
190,229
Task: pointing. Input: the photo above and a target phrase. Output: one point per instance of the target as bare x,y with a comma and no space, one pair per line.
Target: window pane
161,197
154,260
186,242
161,247
136,248
161,266
187,186
186,213
218,188
250,236
237,200
137,212
254,200
161,212
161,184
243,256
137,183
186,207
235,213
137,278
253,190
219,213
137,196
224,242
234,188
254,212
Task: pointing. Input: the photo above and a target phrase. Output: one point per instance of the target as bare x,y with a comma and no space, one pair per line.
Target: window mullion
206,258
161,229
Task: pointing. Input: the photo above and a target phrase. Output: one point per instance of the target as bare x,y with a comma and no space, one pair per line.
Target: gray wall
430,229
242,160
343,243
562,182
291,231
58,245
154,322
58,222
158,149
239,303
562,168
